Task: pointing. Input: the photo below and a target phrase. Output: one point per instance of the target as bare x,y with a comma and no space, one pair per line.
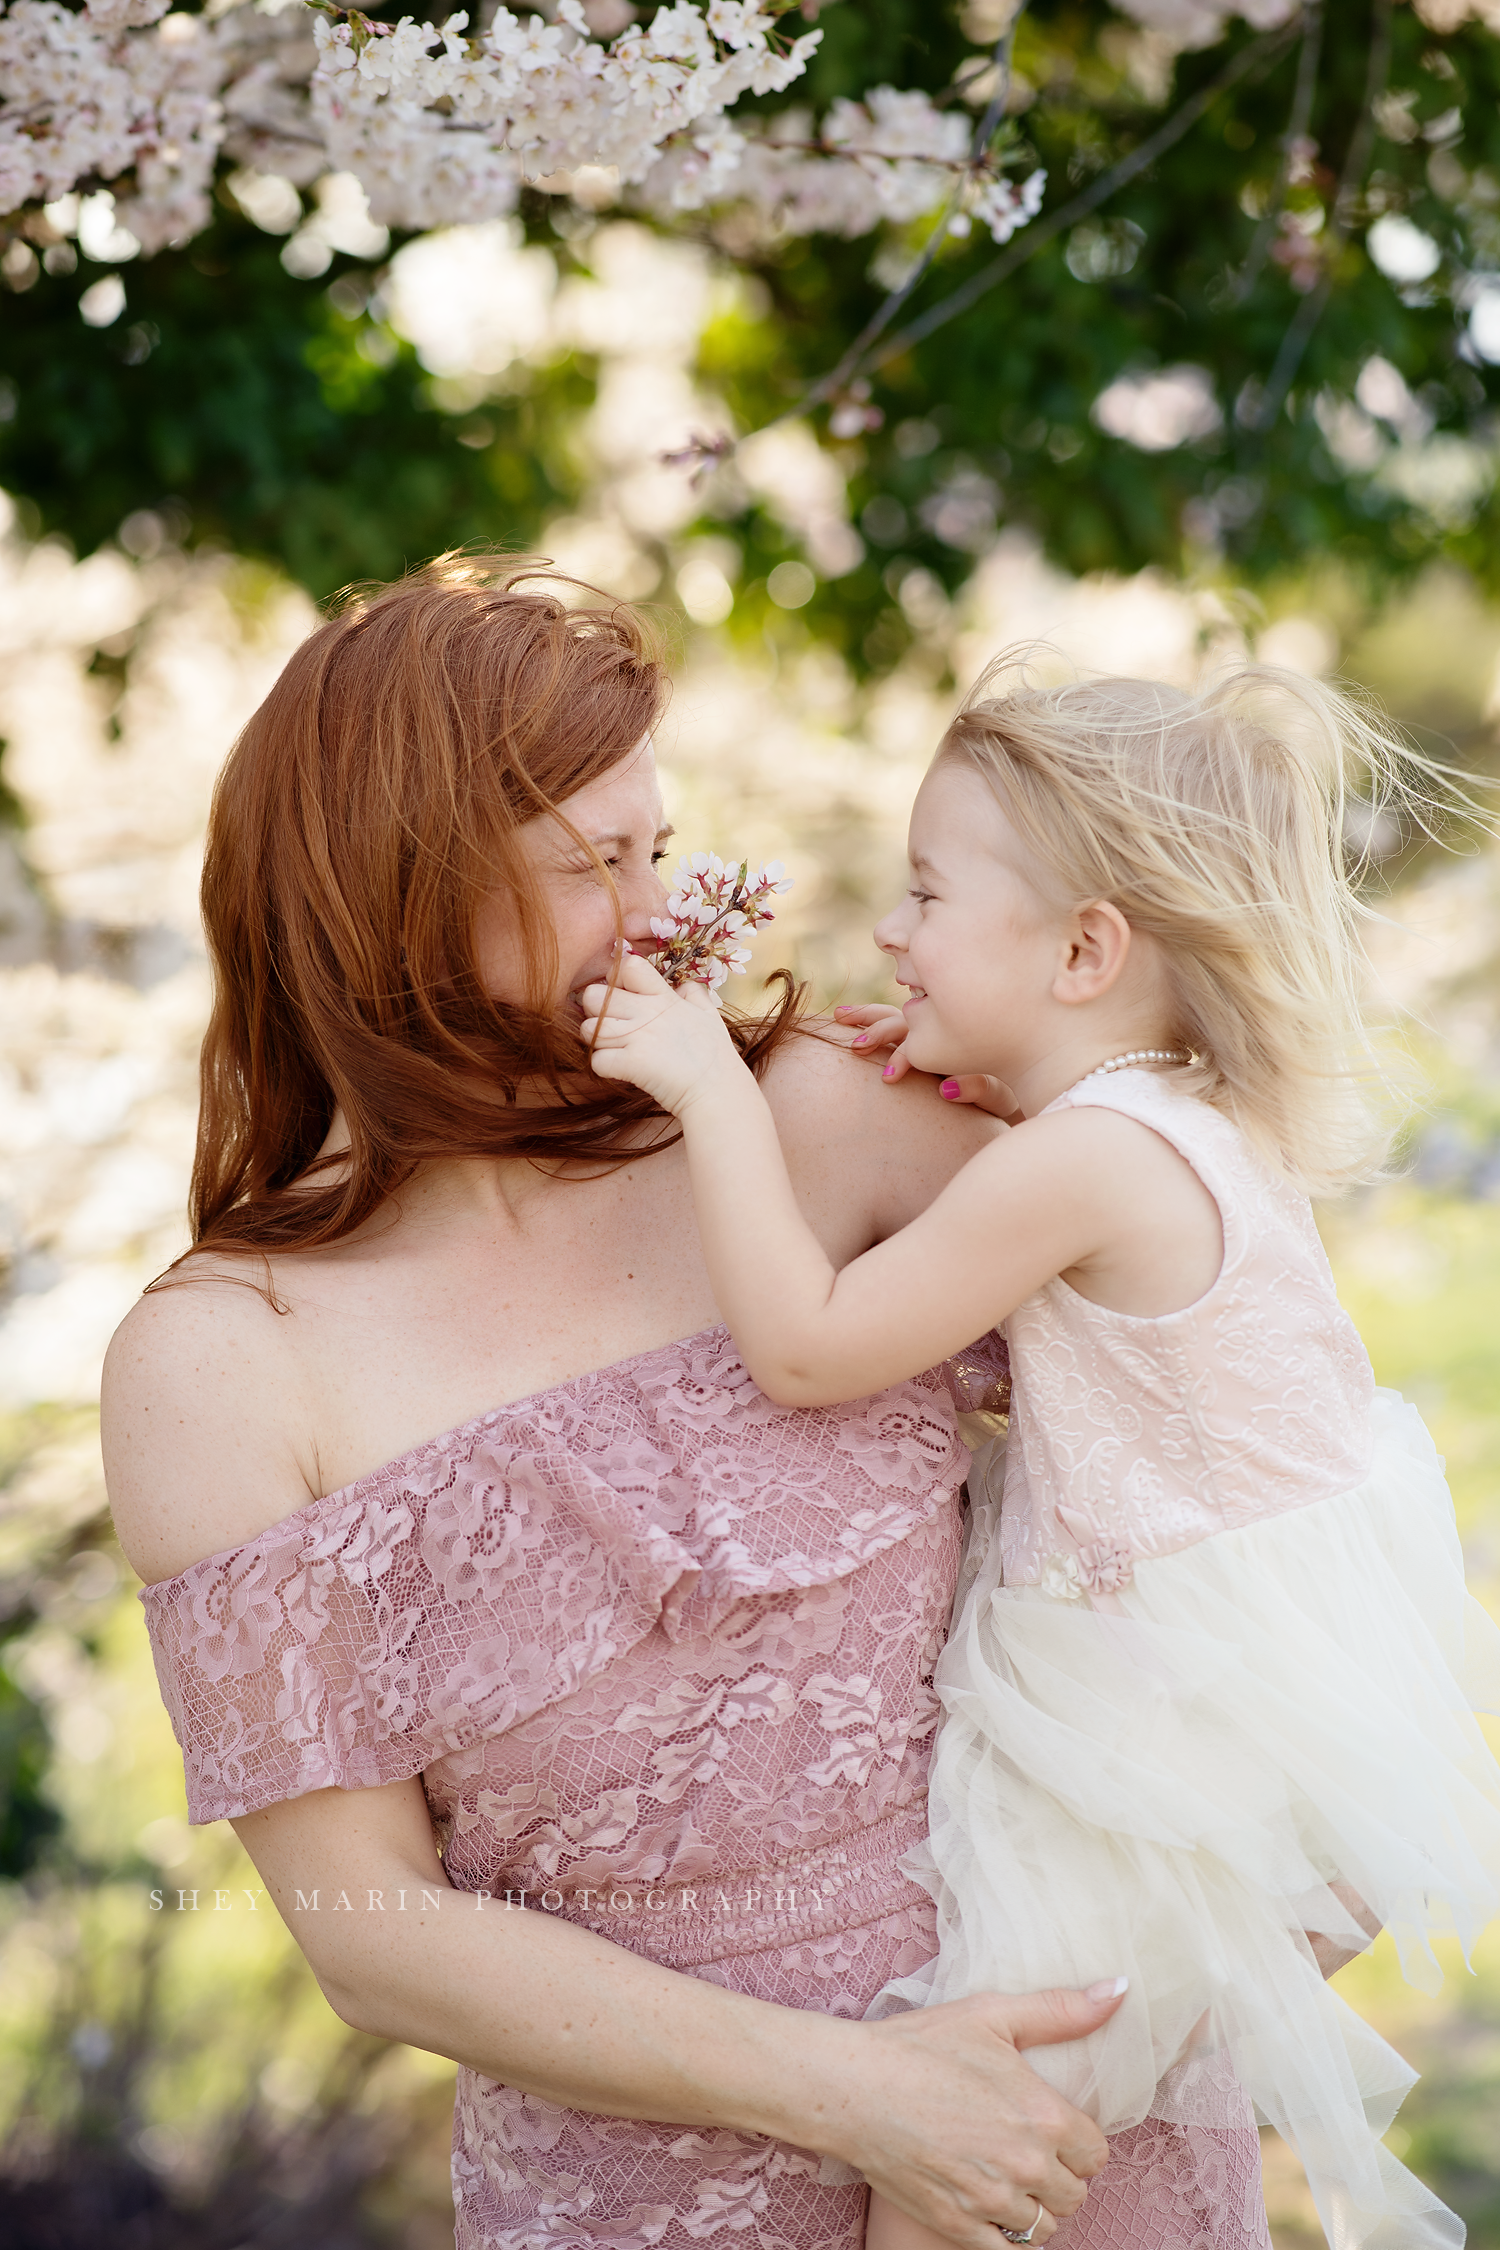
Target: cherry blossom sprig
698,935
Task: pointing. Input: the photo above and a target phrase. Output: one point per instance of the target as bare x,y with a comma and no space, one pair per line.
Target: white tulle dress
1213,1653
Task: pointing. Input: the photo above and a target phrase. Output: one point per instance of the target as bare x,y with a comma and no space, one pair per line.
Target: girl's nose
888,935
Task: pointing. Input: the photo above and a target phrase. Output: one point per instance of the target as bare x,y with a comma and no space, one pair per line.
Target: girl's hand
884,1029
673,1044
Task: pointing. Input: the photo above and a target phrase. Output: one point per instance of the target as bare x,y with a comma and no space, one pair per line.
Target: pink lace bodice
662,1654
1135,1437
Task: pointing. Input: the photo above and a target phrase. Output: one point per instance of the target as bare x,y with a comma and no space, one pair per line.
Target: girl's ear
1096,948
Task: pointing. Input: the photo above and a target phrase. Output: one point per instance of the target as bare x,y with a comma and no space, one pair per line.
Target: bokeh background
169,2074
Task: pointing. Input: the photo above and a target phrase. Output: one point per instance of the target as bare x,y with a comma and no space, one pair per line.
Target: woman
580,1743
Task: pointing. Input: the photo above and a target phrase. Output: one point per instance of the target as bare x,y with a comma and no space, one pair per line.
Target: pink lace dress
662,1654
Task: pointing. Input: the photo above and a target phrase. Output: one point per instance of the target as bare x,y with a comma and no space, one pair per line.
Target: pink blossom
706,914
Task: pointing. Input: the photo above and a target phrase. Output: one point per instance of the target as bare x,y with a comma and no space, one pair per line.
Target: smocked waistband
786,1902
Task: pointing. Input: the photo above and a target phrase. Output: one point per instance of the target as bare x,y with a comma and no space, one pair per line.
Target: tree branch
1305,319
1296,134
1043,230
836,378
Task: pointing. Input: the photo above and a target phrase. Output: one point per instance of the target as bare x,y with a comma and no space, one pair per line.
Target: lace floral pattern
1135,1437
662,1653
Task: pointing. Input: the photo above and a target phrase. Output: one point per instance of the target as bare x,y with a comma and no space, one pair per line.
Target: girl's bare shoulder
203,1416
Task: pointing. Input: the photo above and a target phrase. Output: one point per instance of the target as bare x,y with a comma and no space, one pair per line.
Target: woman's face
621,815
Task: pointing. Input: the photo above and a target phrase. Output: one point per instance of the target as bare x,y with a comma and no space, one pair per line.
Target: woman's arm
937,2108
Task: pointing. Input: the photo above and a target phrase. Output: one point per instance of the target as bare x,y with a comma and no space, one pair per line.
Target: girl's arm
937,2108
1028,1206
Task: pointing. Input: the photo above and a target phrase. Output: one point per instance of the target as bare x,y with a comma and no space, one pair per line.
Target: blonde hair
1233,827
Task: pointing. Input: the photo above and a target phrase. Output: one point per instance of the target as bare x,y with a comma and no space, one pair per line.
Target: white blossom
1005,205
441,124
893,158
81,97
122,15
1189,24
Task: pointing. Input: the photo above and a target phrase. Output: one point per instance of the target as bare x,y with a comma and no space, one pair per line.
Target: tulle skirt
1165,1787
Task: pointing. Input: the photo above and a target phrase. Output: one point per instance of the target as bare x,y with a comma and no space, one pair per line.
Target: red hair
370,805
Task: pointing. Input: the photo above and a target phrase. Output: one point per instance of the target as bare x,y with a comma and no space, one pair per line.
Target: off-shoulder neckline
344,1493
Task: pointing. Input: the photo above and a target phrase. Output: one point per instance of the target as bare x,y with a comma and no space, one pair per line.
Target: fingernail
949,1089
860,1037
889,1071
1109,1988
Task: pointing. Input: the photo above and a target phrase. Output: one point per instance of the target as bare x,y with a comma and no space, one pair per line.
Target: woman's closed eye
612,860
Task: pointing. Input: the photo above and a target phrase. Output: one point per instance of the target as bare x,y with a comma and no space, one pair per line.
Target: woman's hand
882,1032
951,2125
672,1044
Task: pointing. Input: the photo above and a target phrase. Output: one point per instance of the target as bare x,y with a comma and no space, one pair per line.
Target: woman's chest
443,1316
439,1324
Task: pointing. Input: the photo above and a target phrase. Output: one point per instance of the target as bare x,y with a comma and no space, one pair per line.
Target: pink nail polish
860,1038
949,1089
889,1071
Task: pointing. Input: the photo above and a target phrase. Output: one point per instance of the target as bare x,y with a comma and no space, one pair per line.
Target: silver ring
1011,2235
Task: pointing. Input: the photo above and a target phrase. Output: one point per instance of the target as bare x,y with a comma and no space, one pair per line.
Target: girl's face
976,944
621,815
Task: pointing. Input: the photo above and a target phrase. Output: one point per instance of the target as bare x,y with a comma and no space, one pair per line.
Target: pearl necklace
1138,1055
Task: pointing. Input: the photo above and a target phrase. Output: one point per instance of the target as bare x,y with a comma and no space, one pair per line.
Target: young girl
1208,1696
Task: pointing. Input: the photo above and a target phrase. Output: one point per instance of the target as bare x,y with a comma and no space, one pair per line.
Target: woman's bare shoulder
202,1419
900,1144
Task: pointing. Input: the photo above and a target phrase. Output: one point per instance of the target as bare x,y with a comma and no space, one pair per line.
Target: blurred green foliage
245,405
27,1821
283,417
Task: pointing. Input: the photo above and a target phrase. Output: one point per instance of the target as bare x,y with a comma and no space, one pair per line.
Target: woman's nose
643,899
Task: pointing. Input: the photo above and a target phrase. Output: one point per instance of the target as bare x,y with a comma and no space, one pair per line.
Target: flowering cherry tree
1172,281
442,124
